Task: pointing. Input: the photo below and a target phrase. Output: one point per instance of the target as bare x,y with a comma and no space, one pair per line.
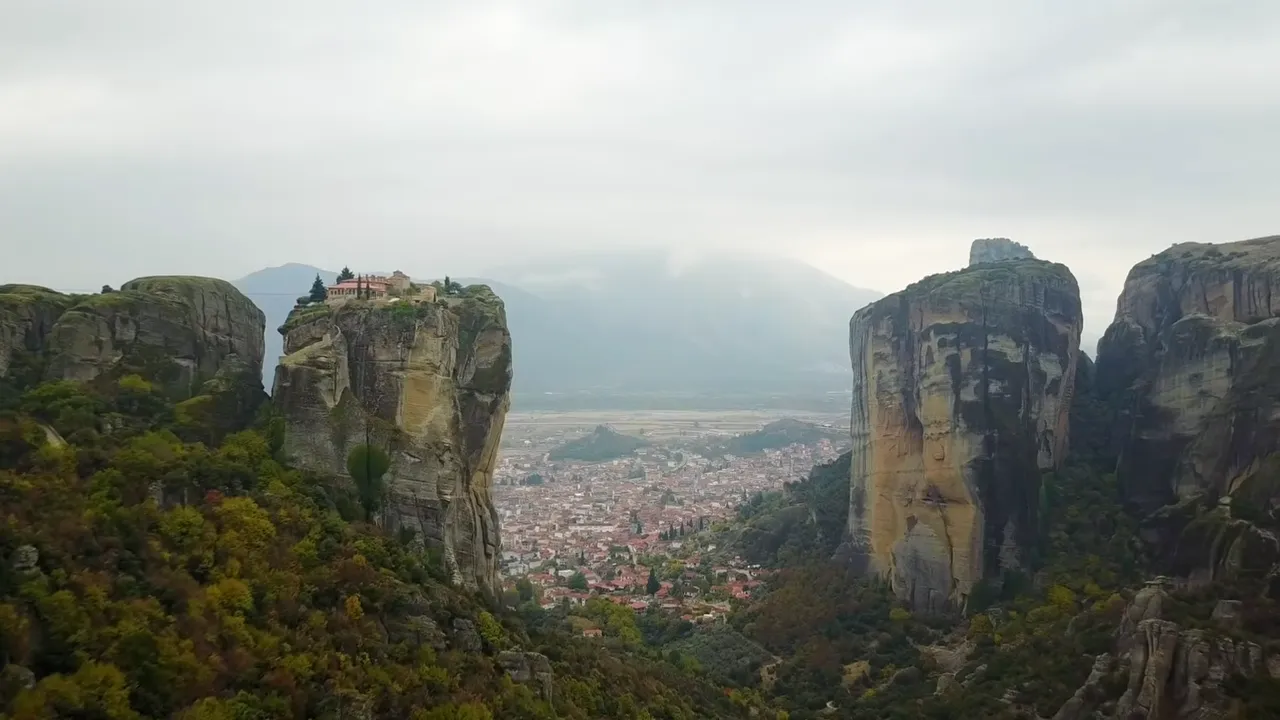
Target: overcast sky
872,139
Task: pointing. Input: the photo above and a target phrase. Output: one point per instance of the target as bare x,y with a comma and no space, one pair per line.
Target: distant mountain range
639,323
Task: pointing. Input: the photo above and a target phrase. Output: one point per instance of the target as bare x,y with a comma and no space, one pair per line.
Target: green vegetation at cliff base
156,563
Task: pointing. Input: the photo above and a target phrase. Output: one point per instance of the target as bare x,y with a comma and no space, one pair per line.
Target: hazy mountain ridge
637,322
773,436
603,443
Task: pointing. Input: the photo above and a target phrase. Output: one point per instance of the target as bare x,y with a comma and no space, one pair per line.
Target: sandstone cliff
183,331
27,317
1191,365
429,382
962,387
988,250
1191,324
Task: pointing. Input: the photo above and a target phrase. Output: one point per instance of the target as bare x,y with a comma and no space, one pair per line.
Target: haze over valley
571,360
625,330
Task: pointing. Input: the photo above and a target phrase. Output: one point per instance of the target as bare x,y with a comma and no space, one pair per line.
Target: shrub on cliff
367,465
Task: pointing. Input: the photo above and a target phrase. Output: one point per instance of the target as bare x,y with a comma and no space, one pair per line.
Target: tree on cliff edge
319,293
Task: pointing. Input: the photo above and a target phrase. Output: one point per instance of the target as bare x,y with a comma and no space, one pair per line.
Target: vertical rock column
428,380
962,386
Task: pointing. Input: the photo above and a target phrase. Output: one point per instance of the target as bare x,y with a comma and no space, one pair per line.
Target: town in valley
636,529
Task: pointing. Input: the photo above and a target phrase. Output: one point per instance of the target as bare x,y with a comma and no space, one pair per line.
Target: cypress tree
319,293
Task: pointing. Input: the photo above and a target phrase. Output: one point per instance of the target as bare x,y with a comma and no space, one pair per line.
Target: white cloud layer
872,138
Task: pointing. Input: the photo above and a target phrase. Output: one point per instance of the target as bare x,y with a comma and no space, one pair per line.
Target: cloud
872,138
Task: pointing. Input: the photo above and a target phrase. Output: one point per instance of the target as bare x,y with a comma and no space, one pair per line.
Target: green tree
491,630
346,274
578,581
319,293
367,464
524,589
652,586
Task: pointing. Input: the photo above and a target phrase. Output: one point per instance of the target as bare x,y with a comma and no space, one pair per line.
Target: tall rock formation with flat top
428,382
962,387
183,331
1191,364
989,250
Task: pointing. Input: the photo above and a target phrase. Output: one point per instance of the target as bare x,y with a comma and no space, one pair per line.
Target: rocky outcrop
465,636
25,559
1193,335
1167,672
989,250
1191,365
428,382
1077,707
529,668
27,317
962,386
182,331
193,323
1176,673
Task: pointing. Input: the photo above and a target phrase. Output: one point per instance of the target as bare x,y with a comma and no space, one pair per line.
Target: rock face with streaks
427,381
529,668
27,316
183,331
1192,366
989,250
961,396
1167,671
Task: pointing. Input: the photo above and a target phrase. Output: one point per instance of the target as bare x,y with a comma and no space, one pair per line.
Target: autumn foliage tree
147,571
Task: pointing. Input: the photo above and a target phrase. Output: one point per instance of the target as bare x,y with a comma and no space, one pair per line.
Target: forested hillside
775,435
156,563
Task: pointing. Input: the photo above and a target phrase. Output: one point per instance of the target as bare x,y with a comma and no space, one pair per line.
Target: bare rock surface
961,392
528,668
989,250
429,384
1169,672
183,329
